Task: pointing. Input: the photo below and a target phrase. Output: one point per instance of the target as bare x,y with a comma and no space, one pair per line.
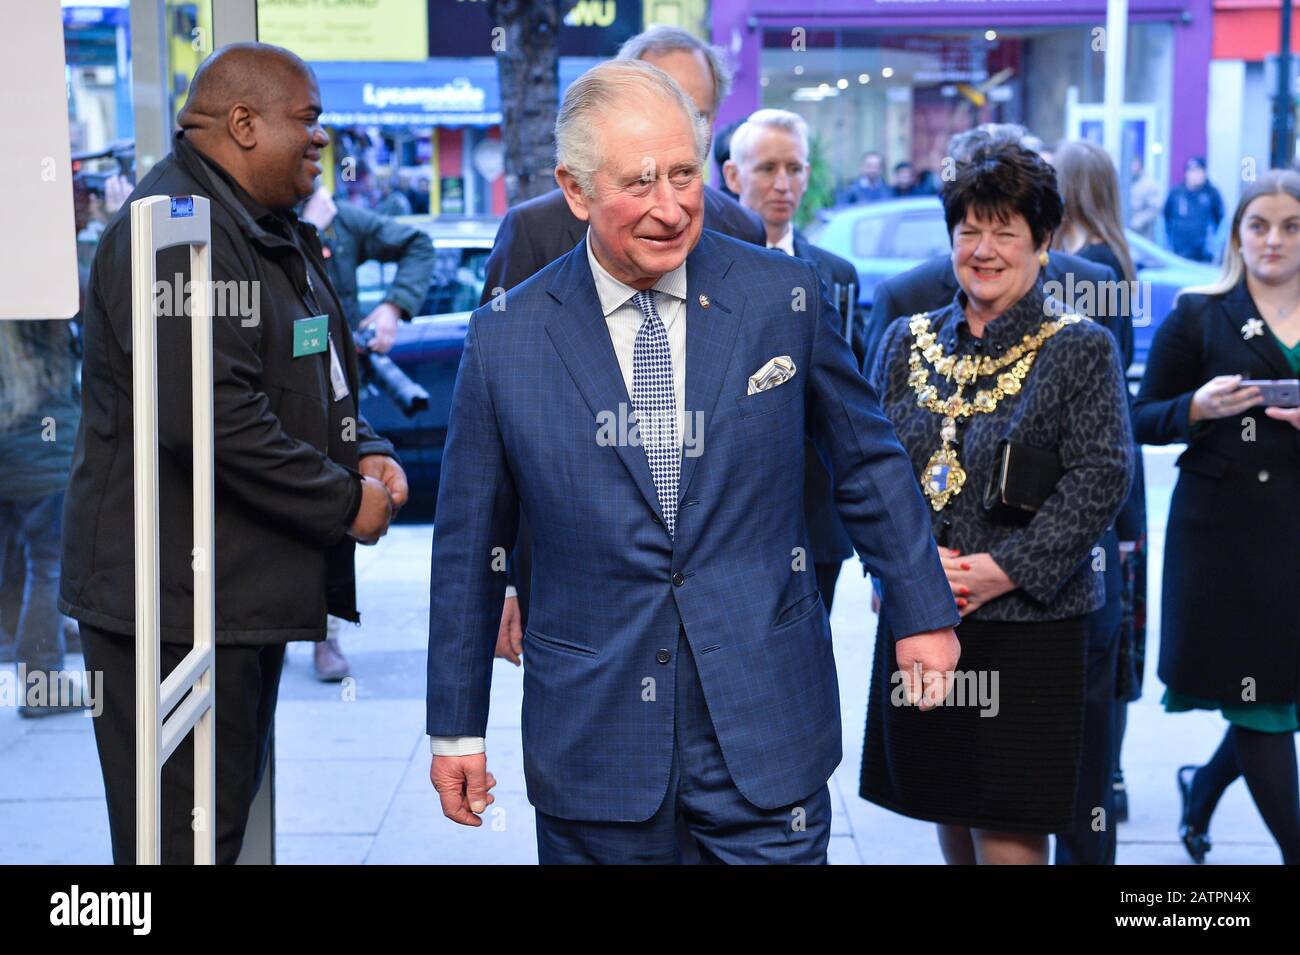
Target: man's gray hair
746,134
597,93
964,144
665,39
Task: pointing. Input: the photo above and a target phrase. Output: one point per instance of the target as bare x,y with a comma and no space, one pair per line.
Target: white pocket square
777,371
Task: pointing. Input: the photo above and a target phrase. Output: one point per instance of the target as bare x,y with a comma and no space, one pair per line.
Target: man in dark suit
680,663
768,170
537,232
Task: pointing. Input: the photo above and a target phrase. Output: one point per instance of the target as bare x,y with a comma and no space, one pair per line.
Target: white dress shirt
786,242
623,319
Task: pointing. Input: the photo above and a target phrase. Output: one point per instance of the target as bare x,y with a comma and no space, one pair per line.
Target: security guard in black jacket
300,476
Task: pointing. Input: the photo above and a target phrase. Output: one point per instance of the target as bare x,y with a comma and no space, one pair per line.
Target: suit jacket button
678,580
1263,475
654,516
663,656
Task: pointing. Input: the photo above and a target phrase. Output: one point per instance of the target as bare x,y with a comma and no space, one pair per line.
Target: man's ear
240,125
572,193
731,173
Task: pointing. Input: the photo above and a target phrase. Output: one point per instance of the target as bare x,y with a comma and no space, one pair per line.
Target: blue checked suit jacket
611,588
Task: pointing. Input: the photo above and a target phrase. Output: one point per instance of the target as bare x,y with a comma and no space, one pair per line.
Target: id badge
310,335
338,379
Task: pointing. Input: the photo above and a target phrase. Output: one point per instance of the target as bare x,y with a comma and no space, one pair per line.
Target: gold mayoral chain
944,476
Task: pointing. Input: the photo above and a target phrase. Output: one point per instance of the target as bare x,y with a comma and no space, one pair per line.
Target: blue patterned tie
655,404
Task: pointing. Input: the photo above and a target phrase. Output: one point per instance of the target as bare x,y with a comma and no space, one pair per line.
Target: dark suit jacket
1229,609
932,285
830,541
535,233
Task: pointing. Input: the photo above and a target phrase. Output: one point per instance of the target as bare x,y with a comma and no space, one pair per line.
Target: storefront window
905,94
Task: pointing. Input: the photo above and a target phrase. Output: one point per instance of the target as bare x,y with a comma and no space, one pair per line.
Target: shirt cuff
511,591
457,745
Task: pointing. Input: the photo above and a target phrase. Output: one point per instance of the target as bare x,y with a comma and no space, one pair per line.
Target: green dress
1262,717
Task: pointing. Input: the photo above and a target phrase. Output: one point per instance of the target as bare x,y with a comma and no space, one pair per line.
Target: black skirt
1013,770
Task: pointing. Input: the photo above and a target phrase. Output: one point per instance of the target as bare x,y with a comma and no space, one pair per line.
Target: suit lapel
581,337
1239,308
710,338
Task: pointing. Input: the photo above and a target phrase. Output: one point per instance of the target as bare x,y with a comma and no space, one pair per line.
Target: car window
919,237
458,277
866,236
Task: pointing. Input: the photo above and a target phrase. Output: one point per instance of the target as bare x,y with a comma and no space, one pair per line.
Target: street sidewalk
352,761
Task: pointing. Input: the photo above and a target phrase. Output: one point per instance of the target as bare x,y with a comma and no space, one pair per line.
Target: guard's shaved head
253,74
254,109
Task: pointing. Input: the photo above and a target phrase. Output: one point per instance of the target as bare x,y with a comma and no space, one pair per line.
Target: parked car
428,348
886,238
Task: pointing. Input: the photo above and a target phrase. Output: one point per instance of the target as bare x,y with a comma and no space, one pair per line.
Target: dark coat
358,235
830,541
287,488
535,233
1232,543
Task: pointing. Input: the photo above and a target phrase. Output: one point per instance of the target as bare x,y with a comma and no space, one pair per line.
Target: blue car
883,239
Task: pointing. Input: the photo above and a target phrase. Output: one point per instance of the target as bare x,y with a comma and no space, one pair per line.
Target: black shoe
1196,843
1120,803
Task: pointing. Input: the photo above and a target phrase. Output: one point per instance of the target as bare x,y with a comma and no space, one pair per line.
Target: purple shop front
900,76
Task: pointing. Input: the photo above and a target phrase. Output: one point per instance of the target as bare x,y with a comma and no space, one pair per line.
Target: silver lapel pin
704,300
1252,328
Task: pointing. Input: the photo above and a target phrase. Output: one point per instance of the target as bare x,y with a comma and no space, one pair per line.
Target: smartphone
1280,393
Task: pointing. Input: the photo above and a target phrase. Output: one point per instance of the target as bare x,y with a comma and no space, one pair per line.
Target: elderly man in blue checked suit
645,399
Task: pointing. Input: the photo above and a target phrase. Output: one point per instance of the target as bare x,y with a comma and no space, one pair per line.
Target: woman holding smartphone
1230,622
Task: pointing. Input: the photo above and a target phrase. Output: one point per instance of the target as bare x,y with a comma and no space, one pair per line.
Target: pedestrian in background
39,414
870,186
1144,200
1091,228
1229,615
351,235
1192,213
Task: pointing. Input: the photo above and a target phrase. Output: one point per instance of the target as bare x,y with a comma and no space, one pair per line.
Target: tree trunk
526,41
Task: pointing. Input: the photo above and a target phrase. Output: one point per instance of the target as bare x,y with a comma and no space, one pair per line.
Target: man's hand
389,473
376,511
463,783
320,209
926,662
975,579
1290,415
384,319
510,638
116,189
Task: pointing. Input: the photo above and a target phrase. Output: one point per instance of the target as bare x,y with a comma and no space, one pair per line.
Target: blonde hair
1272,183
1090,192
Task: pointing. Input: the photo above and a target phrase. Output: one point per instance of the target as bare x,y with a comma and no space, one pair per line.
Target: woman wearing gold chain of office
1015,416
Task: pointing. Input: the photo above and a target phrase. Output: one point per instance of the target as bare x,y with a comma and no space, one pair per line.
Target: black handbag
1023,478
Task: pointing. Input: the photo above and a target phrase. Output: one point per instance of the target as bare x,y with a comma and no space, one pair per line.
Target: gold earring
1042,257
